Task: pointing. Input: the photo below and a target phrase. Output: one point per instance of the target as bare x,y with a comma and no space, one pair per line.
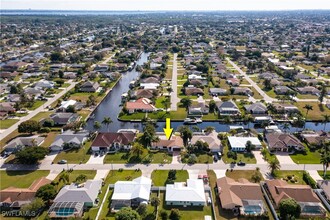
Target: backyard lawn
20,179
159,177
75,156
316,113
187,213
4,124
291,176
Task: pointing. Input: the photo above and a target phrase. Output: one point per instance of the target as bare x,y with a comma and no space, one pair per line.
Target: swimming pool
64,211
252,209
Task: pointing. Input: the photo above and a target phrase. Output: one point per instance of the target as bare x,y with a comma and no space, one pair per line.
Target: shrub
44,130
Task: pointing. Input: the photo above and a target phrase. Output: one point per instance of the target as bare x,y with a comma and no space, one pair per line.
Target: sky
165,4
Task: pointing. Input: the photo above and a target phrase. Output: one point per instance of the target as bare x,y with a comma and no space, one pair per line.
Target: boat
92,116
198,120
189,121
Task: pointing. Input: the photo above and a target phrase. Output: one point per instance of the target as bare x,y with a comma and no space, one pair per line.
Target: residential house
144,93
149,85
268,75
182,194
194,91
304,195
316,138
282,90
175,143
285,108
211,139
256,108
7,107
75,139
308,90
239,143
89,86
242,91
45,84
13,198
131,193
19,143
198,109
140,105
150,79
86,193
275,82
101,68
240,196
217,91
63,118
33,92
110,141
65,104
283,142
233,81
8,75
228,108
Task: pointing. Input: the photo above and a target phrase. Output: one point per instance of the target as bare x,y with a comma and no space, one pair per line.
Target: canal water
110,107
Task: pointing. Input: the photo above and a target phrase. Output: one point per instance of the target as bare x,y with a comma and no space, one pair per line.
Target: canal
110,107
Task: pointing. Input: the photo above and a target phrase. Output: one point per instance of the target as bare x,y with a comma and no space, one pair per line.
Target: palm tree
325,160
326,119
308,108
186,102
274,165
154,201
107,121
166,103
64,177
81,178
137,150
185,133
97,125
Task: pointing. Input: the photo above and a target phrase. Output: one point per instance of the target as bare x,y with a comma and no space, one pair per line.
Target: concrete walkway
174,94
49,158
220,173
315,175
259,157
176,158
96,159
53,174
101,174
284,158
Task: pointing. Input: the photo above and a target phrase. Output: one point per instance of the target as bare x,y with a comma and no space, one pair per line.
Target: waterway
110,107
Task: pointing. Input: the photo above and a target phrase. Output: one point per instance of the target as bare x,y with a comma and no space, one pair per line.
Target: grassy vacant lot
125,157
159,177
83,96
73,175
75,156
4,124
187,213
20,179
236,174
316,113
309,157
295,175
244,157
112,177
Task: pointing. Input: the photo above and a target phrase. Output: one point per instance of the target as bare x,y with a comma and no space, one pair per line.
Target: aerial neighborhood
176,115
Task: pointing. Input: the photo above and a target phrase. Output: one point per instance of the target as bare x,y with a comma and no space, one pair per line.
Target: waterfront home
151,79
182,194
19,143
13,198
144,93
283,142
175,143
149,85
256,108
242,197
89,86
228,108
238,144
211,139
73,139
86,193
198,109
63,118
131,193
65,104
285,108
316,138
140,105
111,141
309,202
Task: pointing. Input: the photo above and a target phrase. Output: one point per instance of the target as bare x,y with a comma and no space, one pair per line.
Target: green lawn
159,101
327,175
296,176
83,96
236,174
308,157
75,156
125,157
113,177
4,124
20,179
204,158
42,115
300,96
159,177
244,157
73,175
37,104
187,213
316,113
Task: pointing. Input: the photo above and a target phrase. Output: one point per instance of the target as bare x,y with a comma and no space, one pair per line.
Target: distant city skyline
134,5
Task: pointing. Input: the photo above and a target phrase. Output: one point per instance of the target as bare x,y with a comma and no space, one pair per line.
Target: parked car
240,163
62,162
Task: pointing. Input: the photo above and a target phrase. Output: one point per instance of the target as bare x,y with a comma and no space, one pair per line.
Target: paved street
36,111
174,94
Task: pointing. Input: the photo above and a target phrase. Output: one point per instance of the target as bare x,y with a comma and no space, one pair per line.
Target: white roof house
66,104
86,193
239,143
149,85
128,190
186,195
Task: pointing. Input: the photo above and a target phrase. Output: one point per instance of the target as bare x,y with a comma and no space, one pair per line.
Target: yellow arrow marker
168,130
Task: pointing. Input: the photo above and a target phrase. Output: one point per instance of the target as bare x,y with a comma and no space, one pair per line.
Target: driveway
176,159
315,175
220,173
257,154
101,174
284,158
96,159
49,158
53,174
193,174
